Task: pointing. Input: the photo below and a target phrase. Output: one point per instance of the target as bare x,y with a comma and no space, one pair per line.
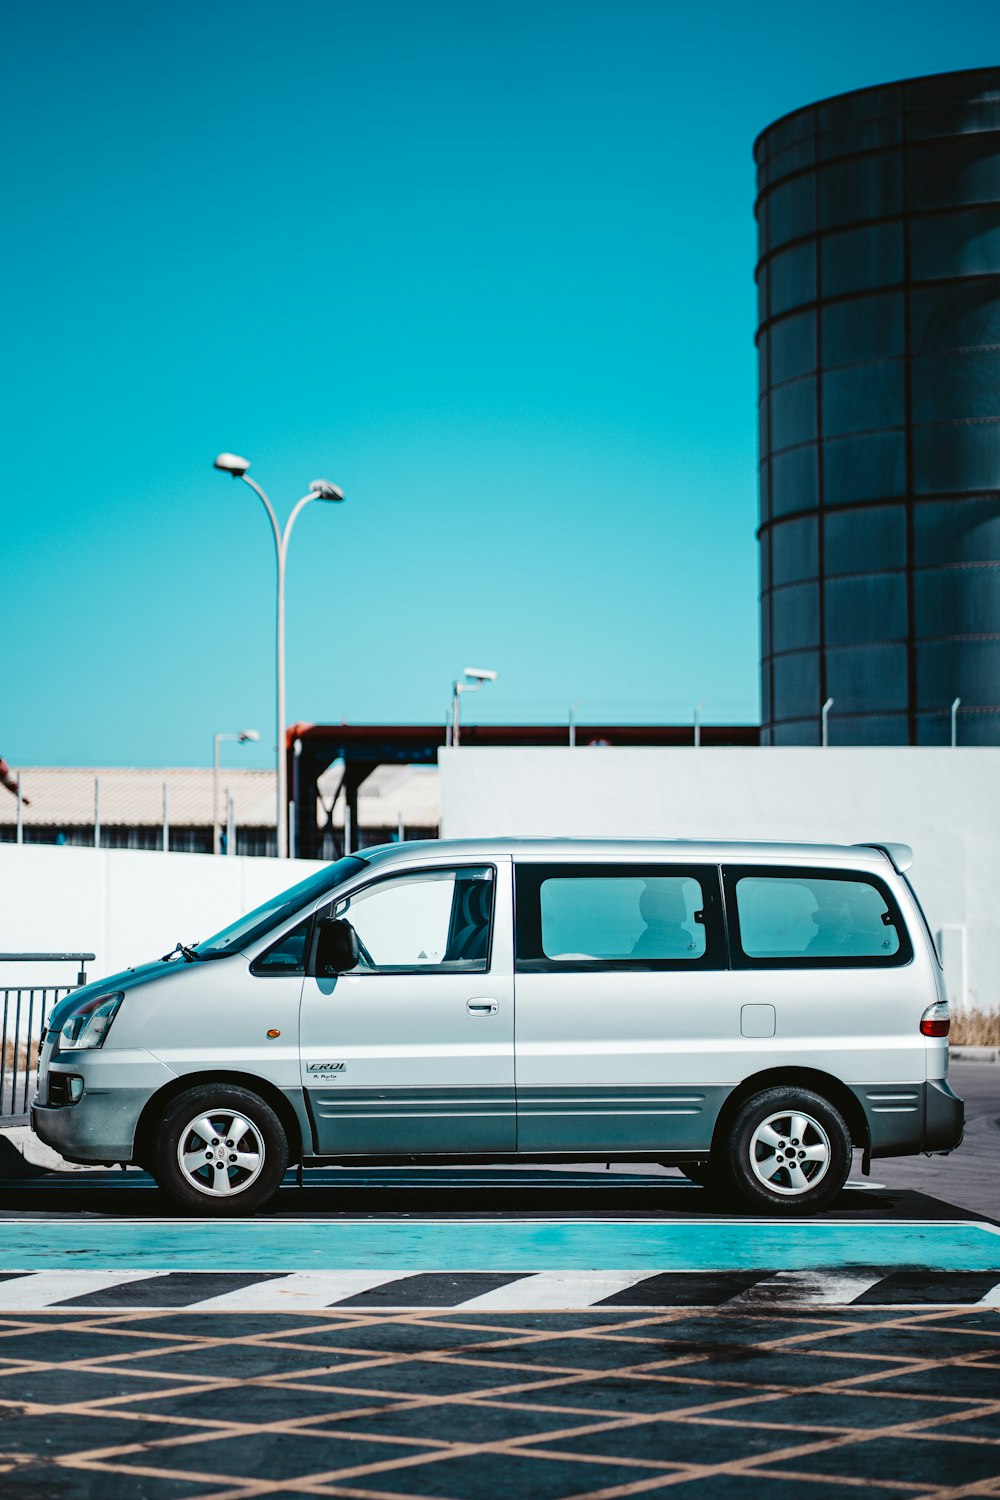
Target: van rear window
811,918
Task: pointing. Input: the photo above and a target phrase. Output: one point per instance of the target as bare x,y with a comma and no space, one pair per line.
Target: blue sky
488,267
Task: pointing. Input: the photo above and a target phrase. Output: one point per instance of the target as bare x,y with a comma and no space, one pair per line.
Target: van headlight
89,1022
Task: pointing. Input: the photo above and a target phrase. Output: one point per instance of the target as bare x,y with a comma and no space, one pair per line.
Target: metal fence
24,1008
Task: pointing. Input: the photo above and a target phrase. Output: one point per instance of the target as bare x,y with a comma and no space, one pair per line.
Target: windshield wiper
188,953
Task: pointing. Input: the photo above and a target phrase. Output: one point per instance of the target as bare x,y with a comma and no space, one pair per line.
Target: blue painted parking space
510,1244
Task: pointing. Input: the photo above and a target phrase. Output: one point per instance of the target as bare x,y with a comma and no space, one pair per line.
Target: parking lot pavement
589,1405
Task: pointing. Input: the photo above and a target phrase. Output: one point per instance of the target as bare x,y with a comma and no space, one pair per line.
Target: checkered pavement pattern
590,1405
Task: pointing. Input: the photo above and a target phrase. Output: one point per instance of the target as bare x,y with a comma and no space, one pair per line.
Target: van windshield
256,923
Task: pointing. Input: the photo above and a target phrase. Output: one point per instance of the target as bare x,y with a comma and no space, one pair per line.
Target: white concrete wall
945,803
124,905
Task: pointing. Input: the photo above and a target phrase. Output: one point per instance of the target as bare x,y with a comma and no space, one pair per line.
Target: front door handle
482,1007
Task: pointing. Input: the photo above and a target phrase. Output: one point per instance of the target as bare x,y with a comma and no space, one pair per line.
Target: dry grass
27,1057
975,1027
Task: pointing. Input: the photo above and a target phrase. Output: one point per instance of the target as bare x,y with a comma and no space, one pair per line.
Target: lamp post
477,677
824,714
241,738
319,489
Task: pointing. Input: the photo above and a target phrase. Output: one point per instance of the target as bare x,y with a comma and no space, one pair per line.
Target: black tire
241,1141
789,1152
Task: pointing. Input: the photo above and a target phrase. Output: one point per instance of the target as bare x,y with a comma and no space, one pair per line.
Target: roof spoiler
900,856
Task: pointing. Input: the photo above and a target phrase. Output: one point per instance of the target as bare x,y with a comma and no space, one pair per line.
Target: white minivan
746,1012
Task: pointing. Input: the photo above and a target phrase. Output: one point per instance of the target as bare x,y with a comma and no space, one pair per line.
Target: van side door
627,1027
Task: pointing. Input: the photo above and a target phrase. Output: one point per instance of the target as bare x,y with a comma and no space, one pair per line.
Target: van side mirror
336,946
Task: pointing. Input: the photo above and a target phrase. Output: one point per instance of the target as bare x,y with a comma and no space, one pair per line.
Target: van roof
858,856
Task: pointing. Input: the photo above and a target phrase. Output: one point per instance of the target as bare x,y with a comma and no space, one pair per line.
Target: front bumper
101,1126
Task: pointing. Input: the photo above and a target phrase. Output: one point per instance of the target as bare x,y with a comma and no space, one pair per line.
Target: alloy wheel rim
220,1153
790,1153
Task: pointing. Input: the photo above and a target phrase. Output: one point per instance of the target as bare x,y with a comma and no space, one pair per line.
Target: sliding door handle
482,1007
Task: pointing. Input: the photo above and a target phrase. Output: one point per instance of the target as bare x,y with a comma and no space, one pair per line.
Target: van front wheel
789,1151
220,1149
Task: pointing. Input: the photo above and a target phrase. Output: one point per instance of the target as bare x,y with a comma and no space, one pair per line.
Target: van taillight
936,1019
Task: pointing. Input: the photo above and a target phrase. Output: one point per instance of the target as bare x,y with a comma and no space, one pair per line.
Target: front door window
436,920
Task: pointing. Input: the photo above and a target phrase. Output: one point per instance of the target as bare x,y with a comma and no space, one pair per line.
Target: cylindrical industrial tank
879,357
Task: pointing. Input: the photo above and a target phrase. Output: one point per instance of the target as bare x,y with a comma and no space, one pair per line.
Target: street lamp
319,489
477,677
242,738
824,715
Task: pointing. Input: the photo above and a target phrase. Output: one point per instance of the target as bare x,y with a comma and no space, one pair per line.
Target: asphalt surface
581,1406
788,1369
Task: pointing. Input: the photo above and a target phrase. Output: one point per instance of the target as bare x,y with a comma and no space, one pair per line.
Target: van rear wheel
789,1151
220,1149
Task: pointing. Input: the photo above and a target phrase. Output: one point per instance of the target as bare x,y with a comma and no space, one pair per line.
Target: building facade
171,809
879,357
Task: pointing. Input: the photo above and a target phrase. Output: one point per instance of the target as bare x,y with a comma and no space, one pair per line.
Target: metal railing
24,1008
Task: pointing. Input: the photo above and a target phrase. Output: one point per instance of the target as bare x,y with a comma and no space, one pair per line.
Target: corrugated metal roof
412,793
63,796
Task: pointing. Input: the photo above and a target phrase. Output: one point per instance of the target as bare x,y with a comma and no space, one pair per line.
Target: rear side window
617,917
814,918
